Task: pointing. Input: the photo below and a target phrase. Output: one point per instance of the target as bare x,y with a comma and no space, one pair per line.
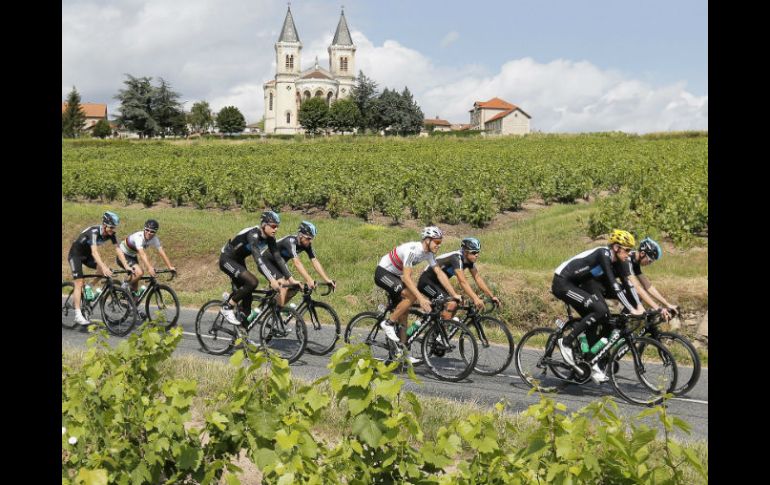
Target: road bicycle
321,319
495,341
160,301
280,330
115,303
641,369
447,347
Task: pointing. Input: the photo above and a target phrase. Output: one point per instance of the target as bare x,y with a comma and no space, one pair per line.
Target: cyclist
232,261
649,252
133,247
581,282
452,264
84,251
289,248
394,275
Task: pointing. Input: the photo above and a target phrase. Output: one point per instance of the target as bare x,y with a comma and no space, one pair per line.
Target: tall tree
101,129
230,120
364,95
73,118
200,118
313,115
136,106
412,118
167,110
343,115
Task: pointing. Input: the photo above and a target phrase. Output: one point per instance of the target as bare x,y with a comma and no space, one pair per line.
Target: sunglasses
150,231
110,227
473,252
273,226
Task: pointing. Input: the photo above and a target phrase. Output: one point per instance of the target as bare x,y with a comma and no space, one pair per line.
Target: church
291,86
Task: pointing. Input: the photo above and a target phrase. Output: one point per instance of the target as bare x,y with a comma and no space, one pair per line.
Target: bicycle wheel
118,311
449,360
647,380
162,306
68,306
364,328
536,354
687,361
284,333
495,344
215,334
323,328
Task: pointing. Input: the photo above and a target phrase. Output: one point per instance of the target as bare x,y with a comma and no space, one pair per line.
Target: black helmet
151,225
307,228
651,249
270,217
110,218
471,244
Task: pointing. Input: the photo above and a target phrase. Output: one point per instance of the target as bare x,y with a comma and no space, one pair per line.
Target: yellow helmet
624,238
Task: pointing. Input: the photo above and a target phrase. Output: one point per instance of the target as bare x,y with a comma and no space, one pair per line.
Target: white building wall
515,123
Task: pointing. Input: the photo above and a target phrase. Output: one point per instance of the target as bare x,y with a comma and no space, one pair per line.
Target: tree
313,115
101,129
343,115
200,118
136,106
397,113
412,118
166,110
230,120
364,95
73,118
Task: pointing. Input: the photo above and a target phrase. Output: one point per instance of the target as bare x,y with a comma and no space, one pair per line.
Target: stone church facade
292,86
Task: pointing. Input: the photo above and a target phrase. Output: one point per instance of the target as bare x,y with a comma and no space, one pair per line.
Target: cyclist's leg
600,329
243,279
591,307
76,265
431,290
133,280
393,285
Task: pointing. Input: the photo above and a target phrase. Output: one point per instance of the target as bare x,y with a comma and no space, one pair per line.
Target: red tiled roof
92,110
506,113
437,122
494,103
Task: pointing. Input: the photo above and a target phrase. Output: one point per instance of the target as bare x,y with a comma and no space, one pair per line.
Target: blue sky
574,66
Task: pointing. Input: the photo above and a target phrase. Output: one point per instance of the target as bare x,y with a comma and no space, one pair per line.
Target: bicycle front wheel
323,328
495,345
162,306
450,359
364,328
536,354
284,333
118,311
687,361
644,372
215,334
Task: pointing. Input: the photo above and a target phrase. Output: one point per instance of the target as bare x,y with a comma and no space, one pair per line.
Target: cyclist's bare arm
466,286
483,285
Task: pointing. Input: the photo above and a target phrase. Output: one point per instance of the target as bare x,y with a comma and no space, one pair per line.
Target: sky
573,66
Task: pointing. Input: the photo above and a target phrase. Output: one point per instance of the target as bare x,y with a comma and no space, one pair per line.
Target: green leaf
488,445
316,400
92,477
218,420
237,358
265,457
286,441
388,389
189,457
356,446
233,480
367,430
287,479
682,424
693,460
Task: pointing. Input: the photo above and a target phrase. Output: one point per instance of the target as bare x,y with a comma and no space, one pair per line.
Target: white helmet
432,232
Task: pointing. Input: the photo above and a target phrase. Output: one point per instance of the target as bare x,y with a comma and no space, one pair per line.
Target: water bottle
583,343
98,292
140,291
413,328
89,292
225,296
599,345
292,306
254,314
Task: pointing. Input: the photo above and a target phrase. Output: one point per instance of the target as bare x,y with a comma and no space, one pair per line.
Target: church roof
289,32
316,72
342,36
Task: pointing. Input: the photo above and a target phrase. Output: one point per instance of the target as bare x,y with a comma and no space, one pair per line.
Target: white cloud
222,52
450,38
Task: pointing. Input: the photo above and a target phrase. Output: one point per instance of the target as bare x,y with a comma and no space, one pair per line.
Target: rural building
94,112
292,86
437,124
499,117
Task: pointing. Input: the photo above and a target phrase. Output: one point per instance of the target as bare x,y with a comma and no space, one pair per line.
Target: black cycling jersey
450,264
596,264
635,264
90,236
252,241
289,248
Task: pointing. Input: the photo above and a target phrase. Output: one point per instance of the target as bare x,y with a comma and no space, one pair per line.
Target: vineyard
655,185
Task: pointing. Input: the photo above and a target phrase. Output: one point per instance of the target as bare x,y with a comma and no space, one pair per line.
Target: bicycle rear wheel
647,380
364,328
687,361
68,306
495,344
450,360
118,310
215,334
323,328
284,333
536,354
162,306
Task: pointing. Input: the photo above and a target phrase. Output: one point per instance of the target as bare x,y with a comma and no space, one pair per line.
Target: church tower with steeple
291,86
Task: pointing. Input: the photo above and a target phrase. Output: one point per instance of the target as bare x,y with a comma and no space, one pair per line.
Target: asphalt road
483,390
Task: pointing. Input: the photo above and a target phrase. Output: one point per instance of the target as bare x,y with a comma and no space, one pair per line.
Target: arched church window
329,98
306,95
319,94
290,61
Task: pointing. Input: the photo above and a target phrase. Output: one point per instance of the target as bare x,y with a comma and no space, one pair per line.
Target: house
437,124
499,117
94,112
253,128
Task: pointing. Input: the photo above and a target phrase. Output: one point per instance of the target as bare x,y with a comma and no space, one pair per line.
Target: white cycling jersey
406,255
135,241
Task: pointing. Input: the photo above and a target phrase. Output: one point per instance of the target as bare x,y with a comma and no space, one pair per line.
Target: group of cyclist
583,281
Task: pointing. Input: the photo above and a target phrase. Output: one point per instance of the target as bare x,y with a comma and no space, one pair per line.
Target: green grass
519,254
